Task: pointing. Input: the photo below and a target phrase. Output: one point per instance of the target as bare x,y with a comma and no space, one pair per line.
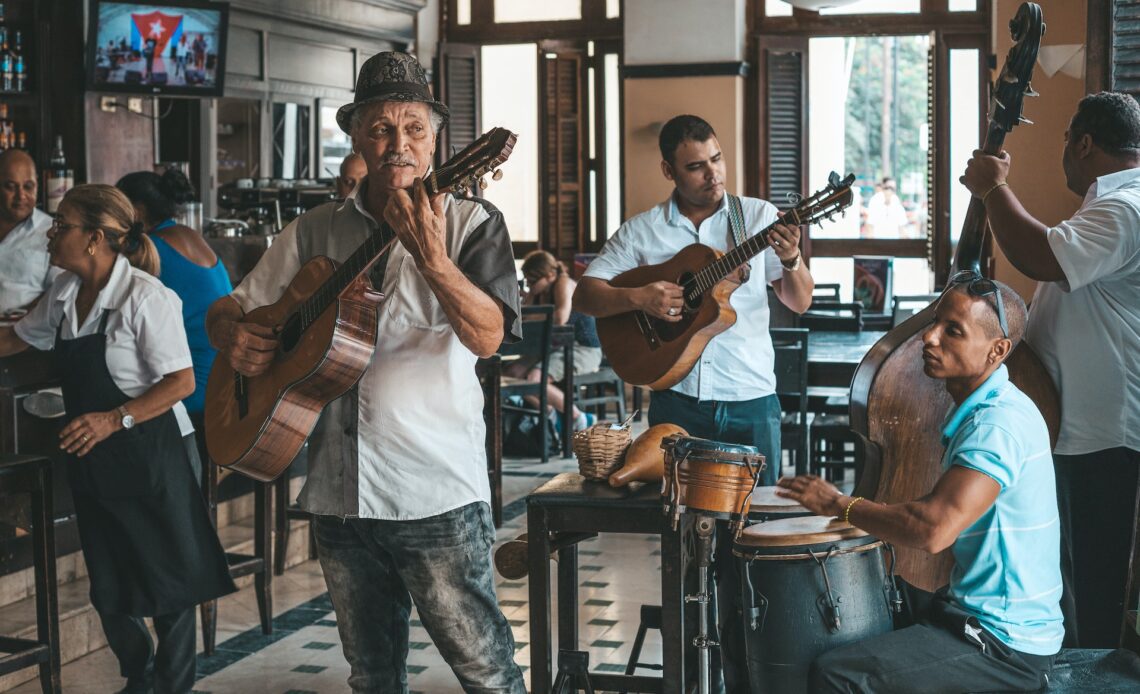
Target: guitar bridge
646,327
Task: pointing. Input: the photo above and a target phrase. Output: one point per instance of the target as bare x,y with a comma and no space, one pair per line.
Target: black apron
146,536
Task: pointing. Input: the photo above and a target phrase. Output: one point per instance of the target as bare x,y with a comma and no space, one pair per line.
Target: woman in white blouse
120,349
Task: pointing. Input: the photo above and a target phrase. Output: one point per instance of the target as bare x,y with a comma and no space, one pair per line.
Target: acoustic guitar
326,331
647,351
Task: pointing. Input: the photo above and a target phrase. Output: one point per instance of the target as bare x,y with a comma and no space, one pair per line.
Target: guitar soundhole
291,333
692,298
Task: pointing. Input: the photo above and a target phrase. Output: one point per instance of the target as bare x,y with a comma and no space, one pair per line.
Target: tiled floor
617,573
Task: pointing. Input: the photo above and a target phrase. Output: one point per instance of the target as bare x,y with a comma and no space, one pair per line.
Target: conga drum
808,585
766,506
709,477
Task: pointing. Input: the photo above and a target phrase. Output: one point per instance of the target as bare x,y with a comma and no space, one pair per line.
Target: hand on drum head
813,493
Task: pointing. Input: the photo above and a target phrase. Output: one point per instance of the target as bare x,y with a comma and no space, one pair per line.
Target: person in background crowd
352,172
548,282
25,272
120,349
886,216
189,266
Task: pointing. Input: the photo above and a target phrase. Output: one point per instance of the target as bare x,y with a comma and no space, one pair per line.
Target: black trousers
1096,498
171,668
936,654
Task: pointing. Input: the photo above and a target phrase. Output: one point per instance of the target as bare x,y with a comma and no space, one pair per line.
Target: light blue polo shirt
1007,565
736,364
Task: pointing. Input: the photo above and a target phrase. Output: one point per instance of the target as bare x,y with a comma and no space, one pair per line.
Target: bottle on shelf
7,69
59,178
19,69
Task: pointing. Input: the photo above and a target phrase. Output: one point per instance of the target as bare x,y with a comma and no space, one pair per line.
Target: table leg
568,598
673,630
538,558
568,392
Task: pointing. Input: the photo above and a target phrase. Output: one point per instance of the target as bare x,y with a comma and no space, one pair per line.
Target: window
613,9
513,104
463,12
530,11
963,5
964,135
876,7
871,121
239,139
335,144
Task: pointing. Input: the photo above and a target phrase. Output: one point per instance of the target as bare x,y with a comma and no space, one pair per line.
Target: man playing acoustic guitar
998,625
730,394
397,469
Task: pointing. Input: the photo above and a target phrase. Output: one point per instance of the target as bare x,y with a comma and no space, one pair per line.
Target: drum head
709,449
798,532
764,500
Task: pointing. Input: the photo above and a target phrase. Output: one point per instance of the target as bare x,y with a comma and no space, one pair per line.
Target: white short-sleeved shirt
25,272
411,443
736,364
1086,329
145,336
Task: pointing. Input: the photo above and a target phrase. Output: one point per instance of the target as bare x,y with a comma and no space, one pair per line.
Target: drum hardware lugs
828,601
756,615
894,595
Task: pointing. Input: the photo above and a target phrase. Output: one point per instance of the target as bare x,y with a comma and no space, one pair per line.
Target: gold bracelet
847,513
991,190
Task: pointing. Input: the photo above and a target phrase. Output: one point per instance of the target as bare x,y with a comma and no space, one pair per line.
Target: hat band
386,88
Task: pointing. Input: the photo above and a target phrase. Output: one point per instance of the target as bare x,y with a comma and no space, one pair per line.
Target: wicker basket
600,449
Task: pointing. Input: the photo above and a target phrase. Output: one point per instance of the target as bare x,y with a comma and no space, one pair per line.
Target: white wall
665,32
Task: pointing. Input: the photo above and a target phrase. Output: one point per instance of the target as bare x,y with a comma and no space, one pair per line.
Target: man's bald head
18,186
352,169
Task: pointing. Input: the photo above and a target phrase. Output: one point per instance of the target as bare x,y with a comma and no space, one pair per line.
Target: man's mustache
396,160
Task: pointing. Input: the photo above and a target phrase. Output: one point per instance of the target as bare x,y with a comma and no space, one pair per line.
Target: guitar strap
736,225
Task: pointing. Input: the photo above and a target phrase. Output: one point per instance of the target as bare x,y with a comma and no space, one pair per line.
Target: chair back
537,326
825,292
791,367
779,315
904,306
834,316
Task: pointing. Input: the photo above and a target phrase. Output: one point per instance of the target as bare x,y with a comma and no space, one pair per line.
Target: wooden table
833,357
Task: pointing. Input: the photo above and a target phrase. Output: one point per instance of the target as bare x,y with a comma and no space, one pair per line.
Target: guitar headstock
1013,84
466,169
835,197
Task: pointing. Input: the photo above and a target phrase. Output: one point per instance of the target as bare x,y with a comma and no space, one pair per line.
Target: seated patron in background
120,350
1085,326
25,272
352,172
998,625
188,265
548,282
397,466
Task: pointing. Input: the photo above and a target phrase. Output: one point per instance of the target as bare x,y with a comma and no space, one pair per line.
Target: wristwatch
795,263
126,420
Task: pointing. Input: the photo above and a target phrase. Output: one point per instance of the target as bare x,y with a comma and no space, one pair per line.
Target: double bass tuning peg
1029,91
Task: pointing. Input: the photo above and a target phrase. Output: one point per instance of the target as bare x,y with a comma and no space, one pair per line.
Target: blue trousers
376,569
748,422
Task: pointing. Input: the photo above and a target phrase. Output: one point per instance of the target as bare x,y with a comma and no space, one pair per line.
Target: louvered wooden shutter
563,174
1126,46
783,64
459,84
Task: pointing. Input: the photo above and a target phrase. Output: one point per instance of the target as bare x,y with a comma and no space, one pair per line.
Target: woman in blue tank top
188,265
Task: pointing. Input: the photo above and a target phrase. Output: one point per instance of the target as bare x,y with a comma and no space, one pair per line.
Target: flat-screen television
176,47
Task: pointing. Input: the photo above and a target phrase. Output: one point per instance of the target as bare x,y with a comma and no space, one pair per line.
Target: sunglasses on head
976,285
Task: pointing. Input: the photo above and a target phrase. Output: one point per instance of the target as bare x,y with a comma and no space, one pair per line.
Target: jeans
376,569
752,423
1096,499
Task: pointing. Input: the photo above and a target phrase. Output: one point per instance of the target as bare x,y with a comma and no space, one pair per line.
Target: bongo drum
808,585
766,506
709,477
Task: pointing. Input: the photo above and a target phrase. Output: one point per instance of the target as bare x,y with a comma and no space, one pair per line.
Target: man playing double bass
1085,327
998,625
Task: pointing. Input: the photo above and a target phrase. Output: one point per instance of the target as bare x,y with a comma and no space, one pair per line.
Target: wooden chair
791,367
906,305
825,292
490,372
594,392
537,324
834,316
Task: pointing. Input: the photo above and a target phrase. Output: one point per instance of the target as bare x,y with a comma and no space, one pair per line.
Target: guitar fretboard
710,275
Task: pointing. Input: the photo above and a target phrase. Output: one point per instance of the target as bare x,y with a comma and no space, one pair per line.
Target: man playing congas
998,625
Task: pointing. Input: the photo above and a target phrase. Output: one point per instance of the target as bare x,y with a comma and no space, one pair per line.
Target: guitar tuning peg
482,184
1029,91
1025,120
497,175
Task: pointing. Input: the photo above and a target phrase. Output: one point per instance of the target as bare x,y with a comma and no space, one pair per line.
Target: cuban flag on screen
163,28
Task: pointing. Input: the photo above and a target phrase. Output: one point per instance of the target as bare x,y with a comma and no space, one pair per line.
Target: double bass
895,408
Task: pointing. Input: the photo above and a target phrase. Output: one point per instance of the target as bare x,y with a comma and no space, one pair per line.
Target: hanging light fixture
817,5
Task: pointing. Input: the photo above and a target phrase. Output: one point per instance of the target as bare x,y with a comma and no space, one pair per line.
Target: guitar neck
708,276
374,249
